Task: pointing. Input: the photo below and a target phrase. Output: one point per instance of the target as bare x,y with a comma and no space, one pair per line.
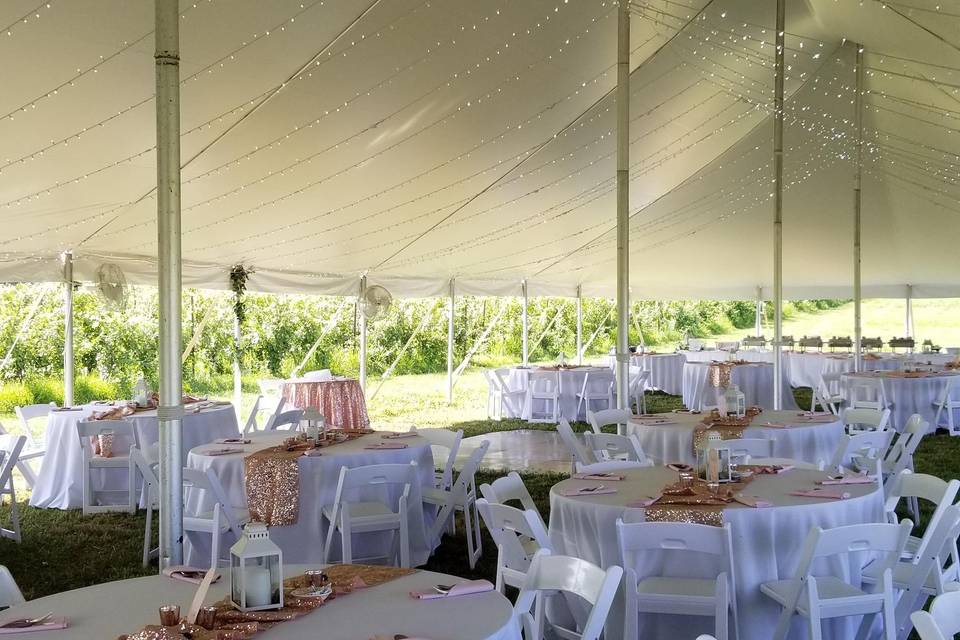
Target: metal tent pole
908,313
525,323
858,167
758,314
579,324
778,209
363,335
169,283
451,309
623,205
237,382
68,363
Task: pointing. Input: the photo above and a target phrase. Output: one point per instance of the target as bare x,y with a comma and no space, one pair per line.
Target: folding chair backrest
637,539
900,454
30,412
9,591
466,479
502,378
10,448
885,540
507,488
381,477
926,487
867,393
91,428
510,528
447,440
544,381
278,410
493,385
872,445
251,424
599,419
576,448
876,418
606,446
208,481
288,420
743,447
598,381
946,612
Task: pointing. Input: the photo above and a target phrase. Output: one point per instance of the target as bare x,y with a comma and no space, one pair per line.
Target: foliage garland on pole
239,275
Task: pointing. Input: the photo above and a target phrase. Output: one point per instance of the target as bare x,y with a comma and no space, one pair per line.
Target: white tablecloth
571,383
114,608
708,355
908,395
666,370
60,481
766,544
807,441
303,541
755,381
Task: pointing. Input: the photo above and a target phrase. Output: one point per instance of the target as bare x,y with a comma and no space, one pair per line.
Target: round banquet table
767,543
909,395
340,400
668,437
303,541
806,367
111,609
755,380
60,480
571,383
666,370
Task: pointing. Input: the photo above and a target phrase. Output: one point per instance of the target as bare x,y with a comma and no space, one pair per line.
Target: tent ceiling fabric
476,141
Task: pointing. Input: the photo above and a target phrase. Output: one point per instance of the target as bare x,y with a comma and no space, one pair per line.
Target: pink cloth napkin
50,625
644,502
597,476
463,589
831,493
849,480
752,501
387,445
403,434
232,441
586,491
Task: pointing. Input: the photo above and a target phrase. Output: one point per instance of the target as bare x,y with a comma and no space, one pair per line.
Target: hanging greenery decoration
238,284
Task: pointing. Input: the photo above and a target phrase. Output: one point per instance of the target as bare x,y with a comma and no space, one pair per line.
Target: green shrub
14,394
45,390
90,388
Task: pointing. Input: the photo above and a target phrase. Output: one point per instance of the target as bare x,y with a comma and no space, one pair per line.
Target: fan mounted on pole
376,301
111,285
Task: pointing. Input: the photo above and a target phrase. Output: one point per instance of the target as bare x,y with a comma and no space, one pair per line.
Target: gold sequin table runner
729,427
694,504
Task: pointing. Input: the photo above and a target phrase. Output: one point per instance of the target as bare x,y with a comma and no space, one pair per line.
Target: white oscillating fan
112,285
376,301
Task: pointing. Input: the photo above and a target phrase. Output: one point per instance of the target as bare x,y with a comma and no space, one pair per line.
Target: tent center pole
169,282
623,207
525,323
579,324
908,313
363,334
858,168
450,309
778,208
237,382
68,362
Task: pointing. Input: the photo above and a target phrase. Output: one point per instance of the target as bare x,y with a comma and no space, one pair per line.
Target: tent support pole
758,314
169,283
451,309
908,313
363,335
778,209
623,206
237,382
858,168
525,322
579,324
68,362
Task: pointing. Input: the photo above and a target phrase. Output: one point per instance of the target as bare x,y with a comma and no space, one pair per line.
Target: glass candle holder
170,615
207,617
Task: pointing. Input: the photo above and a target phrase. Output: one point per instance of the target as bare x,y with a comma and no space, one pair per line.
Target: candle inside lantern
258,587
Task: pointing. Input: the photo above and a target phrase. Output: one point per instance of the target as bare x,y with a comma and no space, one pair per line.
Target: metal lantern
313,423
734,401
713,461
256,570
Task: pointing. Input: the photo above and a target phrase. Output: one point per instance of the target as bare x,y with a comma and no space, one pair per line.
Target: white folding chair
900,454
123,431
549,574
947,403
543,387
277,411
943,620
287,421
221,519
745,450
509,398
32,450
370,499
613,447
600,419
507,489
711,597
494,407
461,496
861,420
927,573
579,453
913,487
638,381
272,391
10,448
518,534
597,388
152,489
9,591
867,393
251,424
862,450
828,393
818,598
449,442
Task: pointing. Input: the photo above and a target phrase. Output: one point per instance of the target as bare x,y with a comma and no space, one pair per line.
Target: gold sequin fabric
729,427
240,625
694,504
341,402
712,516
272,482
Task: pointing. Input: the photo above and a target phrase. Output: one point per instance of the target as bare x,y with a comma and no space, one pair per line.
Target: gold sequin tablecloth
766,541
341,402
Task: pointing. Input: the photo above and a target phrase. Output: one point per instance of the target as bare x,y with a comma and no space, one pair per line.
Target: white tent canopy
476,141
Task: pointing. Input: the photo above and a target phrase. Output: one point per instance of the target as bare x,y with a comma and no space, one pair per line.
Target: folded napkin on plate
184,573
858,479
831,493
587,491
222,452
232,441
644,502
49,625
752,501
387,445
462,589
597,476
402,434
